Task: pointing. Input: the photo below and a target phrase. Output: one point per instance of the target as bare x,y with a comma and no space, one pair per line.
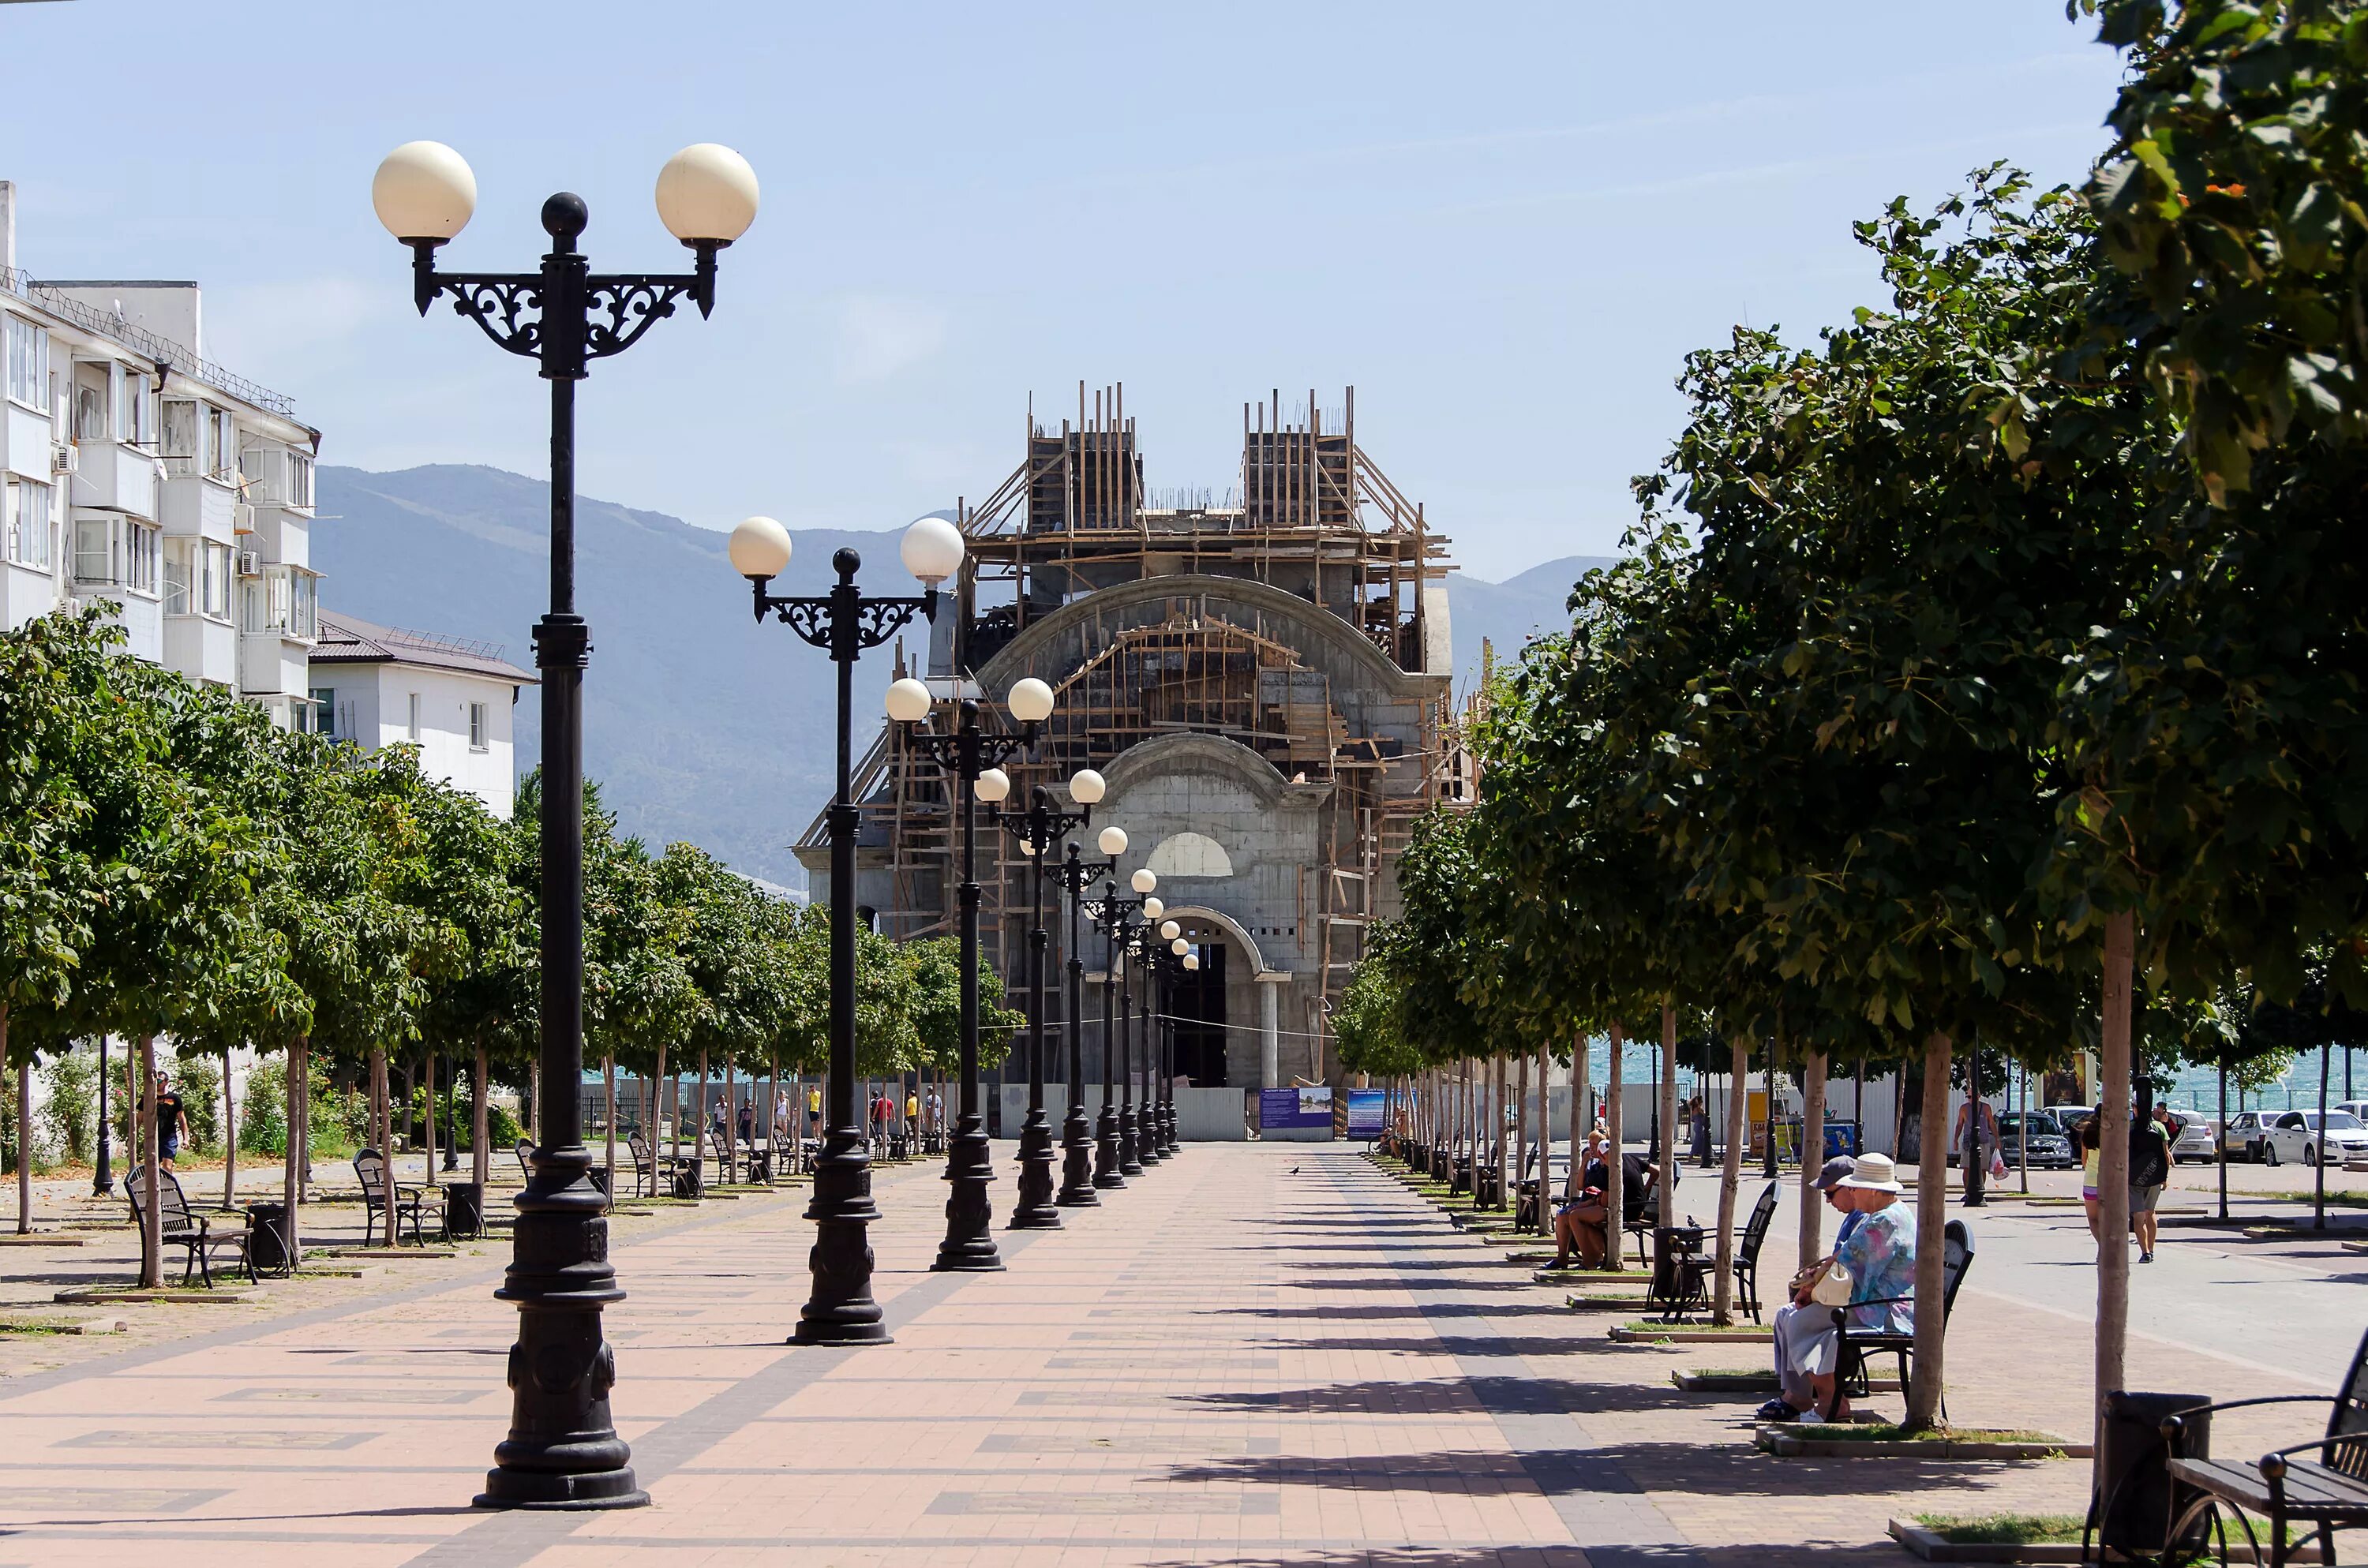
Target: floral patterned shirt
1881,1257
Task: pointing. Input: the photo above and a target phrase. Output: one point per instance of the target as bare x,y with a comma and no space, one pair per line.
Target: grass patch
1654,1329
2334,1200
2002,1529
1889,1432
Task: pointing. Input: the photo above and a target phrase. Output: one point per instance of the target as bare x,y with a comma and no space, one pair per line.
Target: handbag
1833,1287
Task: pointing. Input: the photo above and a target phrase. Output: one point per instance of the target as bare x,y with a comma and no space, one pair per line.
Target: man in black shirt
172,1122
2150,1139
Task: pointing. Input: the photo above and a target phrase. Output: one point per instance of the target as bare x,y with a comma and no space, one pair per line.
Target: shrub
263,1108
71,1113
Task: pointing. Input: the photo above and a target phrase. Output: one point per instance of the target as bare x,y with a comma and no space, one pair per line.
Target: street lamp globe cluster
562,1451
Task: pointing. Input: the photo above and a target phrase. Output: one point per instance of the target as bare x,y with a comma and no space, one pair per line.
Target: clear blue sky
1504,224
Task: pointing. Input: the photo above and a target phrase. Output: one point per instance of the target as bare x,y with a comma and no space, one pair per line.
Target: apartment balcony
25,592
202,648
278,623
139,612
30,444
191,505
111,476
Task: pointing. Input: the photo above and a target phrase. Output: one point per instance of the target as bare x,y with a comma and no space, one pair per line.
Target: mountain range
699,724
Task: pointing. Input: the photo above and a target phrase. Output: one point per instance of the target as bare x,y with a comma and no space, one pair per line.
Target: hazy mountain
1507,614
699,723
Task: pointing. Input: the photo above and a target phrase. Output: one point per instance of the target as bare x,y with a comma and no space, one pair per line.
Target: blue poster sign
1366,1110
1280,1108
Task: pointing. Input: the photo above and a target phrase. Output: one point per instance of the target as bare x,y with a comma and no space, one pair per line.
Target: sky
1505,226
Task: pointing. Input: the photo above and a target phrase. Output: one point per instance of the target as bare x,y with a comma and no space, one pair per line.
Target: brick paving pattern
1252,1356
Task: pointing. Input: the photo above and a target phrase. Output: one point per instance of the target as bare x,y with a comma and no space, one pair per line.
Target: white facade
138,473
379,685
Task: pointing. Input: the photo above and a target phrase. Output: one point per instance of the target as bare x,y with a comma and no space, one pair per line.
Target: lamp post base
1078,1160
1106,1164
841,1311
969,1246
562,1451
1168,1145
1034,1209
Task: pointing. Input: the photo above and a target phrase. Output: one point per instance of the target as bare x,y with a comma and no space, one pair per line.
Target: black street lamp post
1186,962
562,1451
102,1171
844,622
1117,918
1151,945
974,757
1041,830
1078,1188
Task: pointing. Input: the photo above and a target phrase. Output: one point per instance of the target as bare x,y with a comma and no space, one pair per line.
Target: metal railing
139,339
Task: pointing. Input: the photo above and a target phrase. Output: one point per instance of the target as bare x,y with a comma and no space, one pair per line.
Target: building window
325,712
27,523
476,726
29,364
91,397
300,481
117,552
222,446
213,582
181,565
135,408
414,726
180,451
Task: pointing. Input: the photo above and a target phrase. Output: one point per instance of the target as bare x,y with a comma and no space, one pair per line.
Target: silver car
2199,1138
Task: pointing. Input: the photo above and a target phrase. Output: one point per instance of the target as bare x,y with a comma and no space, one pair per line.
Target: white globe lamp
932,549
424,190
994,786
707,195
907,701
759,548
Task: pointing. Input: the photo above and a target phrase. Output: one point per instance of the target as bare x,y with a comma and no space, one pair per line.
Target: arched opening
1197,1002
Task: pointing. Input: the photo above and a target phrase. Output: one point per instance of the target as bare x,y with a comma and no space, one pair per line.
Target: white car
2199,1138
2296,1136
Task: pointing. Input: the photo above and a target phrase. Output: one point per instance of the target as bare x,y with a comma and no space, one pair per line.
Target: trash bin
599,1175
1841,1138
267,1237
2135,1504
464,1209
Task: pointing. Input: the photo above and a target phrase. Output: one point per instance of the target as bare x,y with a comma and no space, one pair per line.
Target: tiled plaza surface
1255,1355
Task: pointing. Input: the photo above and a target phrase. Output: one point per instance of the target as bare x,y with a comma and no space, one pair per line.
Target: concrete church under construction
1263,680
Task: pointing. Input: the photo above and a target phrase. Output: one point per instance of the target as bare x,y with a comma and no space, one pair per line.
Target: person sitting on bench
1799,1317
1582,1226
1879,1256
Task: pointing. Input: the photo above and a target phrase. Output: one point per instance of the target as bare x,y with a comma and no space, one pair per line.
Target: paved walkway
1259,1356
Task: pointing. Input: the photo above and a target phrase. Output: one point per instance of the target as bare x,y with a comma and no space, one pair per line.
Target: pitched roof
348,640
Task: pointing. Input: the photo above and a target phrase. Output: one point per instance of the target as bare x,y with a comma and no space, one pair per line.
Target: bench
189,1232
2330,1493
378,1193
1860,1343
1746,1254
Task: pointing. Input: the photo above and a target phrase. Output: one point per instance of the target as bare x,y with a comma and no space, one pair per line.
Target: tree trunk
1813,1149
152,1185
2114,1161
291,1181
230,1128
1730,1180
382,1084
698,1122
608,1089
1504,1140
480,1116
1931,1214
1579,1127
1615,1212
1666,1210
432,1128
24,1130
1521,1120
1545,1141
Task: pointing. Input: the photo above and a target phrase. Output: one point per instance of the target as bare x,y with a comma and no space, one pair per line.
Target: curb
1783,1445
1933,1547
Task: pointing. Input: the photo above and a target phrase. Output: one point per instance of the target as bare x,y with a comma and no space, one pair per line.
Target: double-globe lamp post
974,759
1134,1127
1078,1188
845,623
562,1451
1179,961
1115,918
1041,829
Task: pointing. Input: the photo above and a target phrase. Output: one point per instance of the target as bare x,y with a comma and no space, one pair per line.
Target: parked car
2070,1117
2243,1137
2355,1108
2297,1136
2050,1149
2199,1138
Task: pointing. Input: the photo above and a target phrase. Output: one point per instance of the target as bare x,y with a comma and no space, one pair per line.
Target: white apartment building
381,686
138,473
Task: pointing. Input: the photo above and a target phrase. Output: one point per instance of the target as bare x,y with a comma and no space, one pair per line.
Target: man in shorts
172,1123
2150,1168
